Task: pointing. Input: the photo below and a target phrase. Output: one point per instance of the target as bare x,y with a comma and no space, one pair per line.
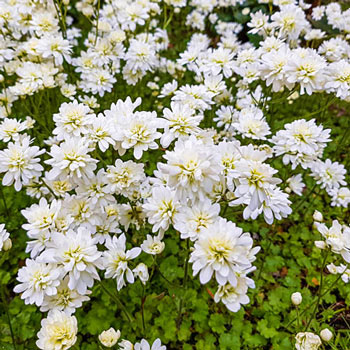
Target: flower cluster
337,239
114,176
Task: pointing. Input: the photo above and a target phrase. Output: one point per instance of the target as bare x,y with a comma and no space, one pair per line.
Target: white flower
125,177
296,298
116,258
219,60
329,174
326,334
109,337
139,131
153,245
273,68
71,159
140,56
141,271
102,132
97,81
41,222
295,184
41,216
4,238
225,117
181,121
307,69
302,142
337,238
132,215
65,299
58,331
95,189
108,225
192,167
317,216
307,341
251,123
258,23
126,345
314,34
254,178
340,196
223,249
334,50
20,164
76,255
191,220
290,21
318,12
55,46
333,269
168,89
234,297
37,280
72,120
161,208
10,129
144,345
196,97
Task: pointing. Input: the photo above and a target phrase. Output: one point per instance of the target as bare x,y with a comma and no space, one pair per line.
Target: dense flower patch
174,174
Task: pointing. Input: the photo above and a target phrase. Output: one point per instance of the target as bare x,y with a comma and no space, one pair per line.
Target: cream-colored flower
58,331
307,341
110,337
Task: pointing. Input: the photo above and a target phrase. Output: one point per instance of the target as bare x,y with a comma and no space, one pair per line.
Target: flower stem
298,317
118,301
310,305
98,17
184,285
49,188
8,317
4,201
143,300
319,292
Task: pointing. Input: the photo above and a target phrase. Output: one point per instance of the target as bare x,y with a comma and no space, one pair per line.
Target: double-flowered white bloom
20,162
161,208
71,159
76,255
37,280
58,331
192,167
307,341
301,142
223,250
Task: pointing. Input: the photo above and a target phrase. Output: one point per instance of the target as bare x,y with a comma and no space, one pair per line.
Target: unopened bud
7,244
246,11
296,298
326,334
320,244
317,216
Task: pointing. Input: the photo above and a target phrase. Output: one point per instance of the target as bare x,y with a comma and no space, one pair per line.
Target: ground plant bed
173,174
